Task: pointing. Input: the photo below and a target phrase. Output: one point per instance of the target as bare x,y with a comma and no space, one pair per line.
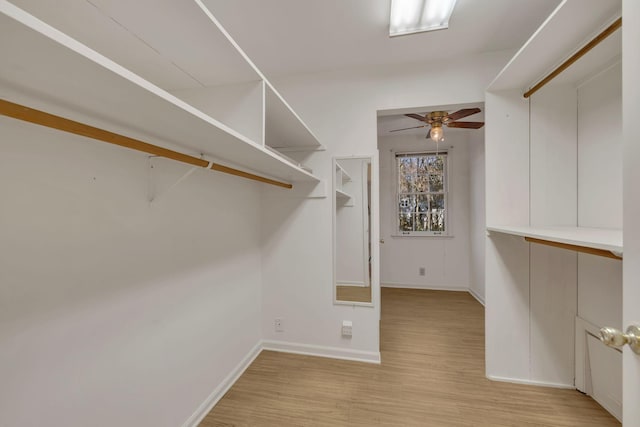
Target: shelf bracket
152,195
583,249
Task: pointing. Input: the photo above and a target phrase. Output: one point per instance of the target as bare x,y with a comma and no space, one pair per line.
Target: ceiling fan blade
429,134
465,125
460,114
416,116
414,127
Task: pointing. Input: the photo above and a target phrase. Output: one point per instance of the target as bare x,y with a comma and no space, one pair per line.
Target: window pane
437,220
436,183
436,202
421,184
422,222
407,165
422,165
405,184
423,203
406,222
435,164
407,203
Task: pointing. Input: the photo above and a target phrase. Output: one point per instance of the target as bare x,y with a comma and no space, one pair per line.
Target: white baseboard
323,351
530,382
223,387
476,296
426,287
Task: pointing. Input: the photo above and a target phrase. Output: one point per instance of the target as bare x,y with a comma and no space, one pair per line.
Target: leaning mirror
352,231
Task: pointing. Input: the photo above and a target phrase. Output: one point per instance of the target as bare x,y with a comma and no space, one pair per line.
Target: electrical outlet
421,271
279,325
347,328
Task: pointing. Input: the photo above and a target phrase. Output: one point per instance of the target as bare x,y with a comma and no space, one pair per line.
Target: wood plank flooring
432,374
353,293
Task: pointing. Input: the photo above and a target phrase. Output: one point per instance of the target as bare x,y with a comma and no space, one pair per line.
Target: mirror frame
372,202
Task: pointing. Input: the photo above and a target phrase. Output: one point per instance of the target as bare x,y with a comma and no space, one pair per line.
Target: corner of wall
226,384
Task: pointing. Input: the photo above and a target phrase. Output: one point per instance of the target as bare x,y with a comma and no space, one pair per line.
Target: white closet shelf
284,130
341,195
343,173
566,29
49,70
122,31
596,238
289,159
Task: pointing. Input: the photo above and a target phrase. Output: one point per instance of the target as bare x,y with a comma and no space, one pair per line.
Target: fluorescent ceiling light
414,16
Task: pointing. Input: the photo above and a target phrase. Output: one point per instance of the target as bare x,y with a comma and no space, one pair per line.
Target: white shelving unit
595,238
550,178
568,28
341,195
342,178
342,175
284,131
158,92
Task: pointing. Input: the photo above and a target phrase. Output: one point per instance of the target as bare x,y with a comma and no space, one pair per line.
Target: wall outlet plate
347,328
422,271
278,325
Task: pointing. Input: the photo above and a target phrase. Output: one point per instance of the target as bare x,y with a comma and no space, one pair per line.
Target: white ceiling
302,36
175,45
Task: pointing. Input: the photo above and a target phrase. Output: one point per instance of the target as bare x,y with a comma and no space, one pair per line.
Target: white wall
112,311
553,202
340,108
507,257
445,259
553,143
600,185
600,150
477,217
600,205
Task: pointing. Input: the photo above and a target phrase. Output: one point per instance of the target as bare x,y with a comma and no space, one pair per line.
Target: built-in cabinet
171,77
553,165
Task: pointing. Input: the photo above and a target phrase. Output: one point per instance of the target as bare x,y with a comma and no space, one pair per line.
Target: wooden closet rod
583,249
579,54
41,118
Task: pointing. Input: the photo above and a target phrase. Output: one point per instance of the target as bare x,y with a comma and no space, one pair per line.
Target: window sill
423,235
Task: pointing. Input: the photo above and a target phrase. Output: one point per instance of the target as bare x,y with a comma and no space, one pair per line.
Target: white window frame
446,189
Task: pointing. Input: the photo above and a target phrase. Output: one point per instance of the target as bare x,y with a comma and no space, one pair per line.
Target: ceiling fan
436,119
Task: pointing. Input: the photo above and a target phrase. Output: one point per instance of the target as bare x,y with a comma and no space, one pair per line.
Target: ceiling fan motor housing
437,117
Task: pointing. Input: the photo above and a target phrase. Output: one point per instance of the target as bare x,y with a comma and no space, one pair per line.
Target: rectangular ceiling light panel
414,16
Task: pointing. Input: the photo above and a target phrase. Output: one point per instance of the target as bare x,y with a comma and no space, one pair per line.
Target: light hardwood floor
432,374
353,293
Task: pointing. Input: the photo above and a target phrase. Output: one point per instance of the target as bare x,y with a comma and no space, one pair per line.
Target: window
422,194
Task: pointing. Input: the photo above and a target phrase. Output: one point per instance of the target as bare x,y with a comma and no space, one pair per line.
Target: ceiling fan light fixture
436,133
415,16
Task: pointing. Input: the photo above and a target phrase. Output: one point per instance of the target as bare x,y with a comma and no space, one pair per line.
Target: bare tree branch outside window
422,195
